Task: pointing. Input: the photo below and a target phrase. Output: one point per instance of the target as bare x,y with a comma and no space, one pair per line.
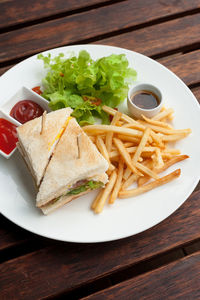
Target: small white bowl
23,94
135,110
13,121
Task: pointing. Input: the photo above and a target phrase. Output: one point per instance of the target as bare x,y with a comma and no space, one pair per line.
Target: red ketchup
37,90
26,110
8,136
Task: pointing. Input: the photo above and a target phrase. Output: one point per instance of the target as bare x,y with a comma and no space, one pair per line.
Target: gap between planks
137,269
58,15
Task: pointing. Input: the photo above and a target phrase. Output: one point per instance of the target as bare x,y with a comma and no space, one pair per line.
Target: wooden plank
17,12
71,265
196,92
11,235
185,66
159,38
194,247
94,23
178,280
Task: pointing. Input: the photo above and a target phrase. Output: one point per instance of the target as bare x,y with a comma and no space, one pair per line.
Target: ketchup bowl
23,106
144,99
25,94
8,135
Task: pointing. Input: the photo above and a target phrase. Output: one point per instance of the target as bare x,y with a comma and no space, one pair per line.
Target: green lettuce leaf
69,80
89,185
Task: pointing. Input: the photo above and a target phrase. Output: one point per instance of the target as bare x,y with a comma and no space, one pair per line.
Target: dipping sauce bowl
144,99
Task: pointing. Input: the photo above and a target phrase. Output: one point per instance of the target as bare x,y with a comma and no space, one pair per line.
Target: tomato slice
37,90
93,100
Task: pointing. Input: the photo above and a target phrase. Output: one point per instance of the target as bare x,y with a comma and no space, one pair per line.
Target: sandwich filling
79,187
84,185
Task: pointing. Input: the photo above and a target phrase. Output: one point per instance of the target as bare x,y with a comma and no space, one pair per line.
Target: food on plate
76,167
85,84
37,90
145,188
37,142
8,136
73,166
139,151
26,110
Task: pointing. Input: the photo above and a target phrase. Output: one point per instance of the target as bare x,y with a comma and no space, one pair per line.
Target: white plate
76,222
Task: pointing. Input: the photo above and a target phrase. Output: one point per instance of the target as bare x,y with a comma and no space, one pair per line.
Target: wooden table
160,263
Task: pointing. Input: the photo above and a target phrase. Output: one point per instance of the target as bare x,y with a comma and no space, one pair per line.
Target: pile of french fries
137,152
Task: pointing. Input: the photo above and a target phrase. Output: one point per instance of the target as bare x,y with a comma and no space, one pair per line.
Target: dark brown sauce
145,99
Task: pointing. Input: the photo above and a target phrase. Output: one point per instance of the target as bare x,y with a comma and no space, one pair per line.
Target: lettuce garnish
85,84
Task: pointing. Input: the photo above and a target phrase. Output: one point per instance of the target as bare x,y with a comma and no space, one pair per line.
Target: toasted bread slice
36,146
75,158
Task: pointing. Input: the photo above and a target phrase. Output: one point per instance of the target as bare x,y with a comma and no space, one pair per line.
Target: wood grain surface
155,264
71,265
157,39
21,11
67,30
180,63
179,280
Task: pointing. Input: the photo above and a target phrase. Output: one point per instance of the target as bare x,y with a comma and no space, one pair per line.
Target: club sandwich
73,168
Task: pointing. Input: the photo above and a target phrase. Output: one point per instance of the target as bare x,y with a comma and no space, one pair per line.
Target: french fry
160,162
109,135
157,123
130,181
92,138
111,128
128,144
141,145
136,150
169,163
127,173
102,148
96,200
174,137
116,153
146,170
172,151
118,182
133,149
120,123
167,131
112,112
150,150
150,186
163,114
157,139
127,138
125,155
136,125
106,192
